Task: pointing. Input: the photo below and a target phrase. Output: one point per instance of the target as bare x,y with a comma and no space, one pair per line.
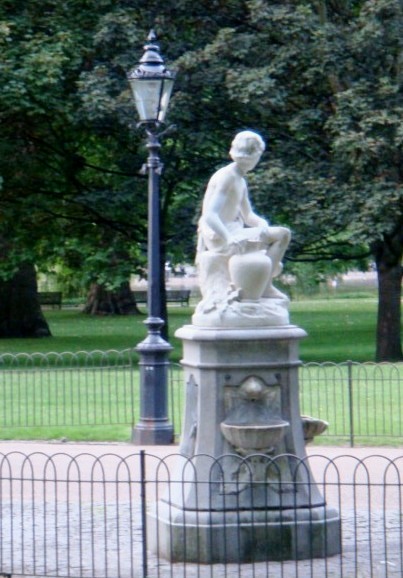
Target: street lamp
151,84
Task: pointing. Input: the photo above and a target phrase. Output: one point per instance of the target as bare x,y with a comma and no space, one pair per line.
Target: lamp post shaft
154,236
153,427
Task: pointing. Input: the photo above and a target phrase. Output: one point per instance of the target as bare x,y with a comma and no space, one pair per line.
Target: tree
323,80
62,176
70,154
20,311
367,131
313,76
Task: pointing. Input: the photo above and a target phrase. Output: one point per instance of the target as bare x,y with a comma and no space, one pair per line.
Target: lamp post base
153,427
153,434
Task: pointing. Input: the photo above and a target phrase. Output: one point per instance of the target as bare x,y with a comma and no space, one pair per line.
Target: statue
238,252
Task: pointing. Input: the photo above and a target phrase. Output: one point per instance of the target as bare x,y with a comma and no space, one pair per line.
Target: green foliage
328,93
338,329
64,180
68,151
321,81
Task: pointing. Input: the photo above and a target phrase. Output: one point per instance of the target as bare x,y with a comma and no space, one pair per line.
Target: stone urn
250,271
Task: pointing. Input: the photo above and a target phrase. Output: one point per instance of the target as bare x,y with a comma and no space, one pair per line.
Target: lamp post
151,84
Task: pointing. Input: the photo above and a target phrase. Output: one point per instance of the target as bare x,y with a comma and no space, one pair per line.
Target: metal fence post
143,511
350,400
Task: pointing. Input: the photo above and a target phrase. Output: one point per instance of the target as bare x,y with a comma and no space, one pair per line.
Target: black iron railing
362,402
86,513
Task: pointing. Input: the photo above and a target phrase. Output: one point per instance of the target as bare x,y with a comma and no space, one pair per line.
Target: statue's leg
278,241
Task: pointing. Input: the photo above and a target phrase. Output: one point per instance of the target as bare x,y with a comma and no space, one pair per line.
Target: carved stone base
243,536
231,502
243,314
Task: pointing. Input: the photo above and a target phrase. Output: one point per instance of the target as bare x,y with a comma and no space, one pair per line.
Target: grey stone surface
34,538
107,551
235,404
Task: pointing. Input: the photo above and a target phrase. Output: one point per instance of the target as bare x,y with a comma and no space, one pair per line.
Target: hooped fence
75,515
362,402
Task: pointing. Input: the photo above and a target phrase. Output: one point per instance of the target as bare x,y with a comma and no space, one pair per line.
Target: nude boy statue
228,223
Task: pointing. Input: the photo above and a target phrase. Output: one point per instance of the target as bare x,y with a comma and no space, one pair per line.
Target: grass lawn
362,401
338,329
84,403
91,403
59,402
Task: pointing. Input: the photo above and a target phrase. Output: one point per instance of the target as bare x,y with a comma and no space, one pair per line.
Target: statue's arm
214,206
250,218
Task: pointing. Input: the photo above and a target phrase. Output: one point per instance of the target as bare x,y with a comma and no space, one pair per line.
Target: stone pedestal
246,491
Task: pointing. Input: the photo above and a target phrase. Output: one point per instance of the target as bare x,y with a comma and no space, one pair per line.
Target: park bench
50,298
181,296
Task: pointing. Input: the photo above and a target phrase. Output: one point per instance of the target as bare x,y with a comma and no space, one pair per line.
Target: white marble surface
238,252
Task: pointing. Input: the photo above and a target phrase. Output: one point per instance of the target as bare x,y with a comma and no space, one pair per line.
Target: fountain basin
312,427
255,436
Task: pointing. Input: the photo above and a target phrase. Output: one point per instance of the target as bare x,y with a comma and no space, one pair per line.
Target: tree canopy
321,80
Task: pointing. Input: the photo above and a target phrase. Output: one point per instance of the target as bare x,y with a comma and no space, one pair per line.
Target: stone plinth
246,487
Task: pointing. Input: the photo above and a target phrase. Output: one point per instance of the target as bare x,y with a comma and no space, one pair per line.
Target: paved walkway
95,529
124,449
356,461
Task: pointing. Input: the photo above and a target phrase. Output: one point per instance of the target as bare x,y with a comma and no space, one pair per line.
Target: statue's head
247,144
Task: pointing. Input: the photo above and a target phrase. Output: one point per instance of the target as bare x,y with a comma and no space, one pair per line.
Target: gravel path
74,515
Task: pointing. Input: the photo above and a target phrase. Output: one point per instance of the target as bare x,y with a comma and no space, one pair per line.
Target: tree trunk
388,258
20,310
101,301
